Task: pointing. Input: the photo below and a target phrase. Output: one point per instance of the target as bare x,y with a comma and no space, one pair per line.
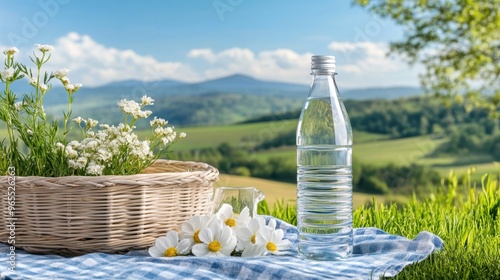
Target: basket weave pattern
112,214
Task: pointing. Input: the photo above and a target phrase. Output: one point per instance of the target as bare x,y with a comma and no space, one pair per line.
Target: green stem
10,129
39,105
66,117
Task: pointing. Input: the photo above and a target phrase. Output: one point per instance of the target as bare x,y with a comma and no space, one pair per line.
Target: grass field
278,191
369,148
404,152
469,225
212,136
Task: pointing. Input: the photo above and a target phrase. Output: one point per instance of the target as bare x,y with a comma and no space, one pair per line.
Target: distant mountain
138,83
240,82
231,99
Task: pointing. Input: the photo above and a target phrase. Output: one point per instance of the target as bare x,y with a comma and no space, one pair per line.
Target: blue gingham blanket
375,254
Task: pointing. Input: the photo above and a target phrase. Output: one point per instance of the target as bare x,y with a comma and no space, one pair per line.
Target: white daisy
268,241
248,235
218,240
235,221
191,229
169,246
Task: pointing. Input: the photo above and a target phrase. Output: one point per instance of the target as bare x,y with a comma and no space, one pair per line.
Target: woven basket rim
163,172
204,167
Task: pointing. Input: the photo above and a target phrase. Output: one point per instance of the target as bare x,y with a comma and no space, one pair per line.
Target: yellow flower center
230,222
253,239
214,246
196,238
271,247
170,252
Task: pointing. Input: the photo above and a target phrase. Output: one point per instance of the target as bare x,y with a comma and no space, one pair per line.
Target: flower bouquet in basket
106,190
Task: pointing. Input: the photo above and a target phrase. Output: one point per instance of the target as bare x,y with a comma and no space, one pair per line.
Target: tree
458,41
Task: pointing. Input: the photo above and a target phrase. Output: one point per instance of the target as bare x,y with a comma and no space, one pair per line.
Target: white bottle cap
322,64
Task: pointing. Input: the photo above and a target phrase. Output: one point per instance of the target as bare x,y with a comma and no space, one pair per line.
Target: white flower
91,123
8,74
146,100
129,107
145,114
182,135
44,48
44,88
72,164
191,228
74,144
61,73
168,139
18,106
268,240
158,122
60,146
70,152
94,169
92,144
218,240
78,120
29,131
77,164
248,235
103,154
33,82
11,51
64,80
169,246
133,108
82,161
69,87
160,131
234,221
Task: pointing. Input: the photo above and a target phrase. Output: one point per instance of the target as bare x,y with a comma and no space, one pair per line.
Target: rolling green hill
369,148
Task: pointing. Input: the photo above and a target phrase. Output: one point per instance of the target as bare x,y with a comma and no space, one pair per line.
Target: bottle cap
322,64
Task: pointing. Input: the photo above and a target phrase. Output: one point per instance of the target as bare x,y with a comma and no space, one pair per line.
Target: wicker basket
111,214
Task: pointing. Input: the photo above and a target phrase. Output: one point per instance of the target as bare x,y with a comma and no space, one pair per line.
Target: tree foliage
458,41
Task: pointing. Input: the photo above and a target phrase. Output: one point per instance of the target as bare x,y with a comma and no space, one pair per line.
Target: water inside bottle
324,201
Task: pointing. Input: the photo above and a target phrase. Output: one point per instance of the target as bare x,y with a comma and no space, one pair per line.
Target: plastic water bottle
324,169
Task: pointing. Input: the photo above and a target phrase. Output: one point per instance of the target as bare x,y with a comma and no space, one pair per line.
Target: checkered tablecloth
376,253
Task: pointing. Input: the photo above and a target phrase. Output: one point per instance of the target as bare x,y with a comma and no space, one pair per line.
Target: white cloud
365,64
94,64
280,64
360,64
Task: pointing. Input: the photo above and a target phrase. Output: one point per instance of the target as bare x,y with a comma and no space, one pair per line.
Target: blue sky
109,40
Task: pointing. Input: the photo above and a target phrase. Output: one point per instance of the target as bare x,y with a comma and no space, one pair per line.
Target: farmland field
277,191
